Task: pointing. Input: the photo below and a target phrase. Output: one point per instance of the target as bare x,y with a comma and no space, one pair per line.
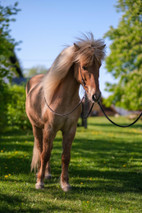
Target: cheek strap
83,81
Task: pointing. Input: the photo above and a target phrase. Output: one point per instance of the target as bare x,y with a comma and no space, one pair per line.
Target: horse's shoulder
34,81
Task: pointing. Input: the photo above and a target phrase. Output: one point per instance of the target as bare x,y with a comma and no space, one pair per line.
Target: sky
46,26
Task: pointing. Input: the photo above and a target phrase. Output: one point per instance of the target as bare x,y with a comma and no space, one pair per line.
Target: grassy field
105,171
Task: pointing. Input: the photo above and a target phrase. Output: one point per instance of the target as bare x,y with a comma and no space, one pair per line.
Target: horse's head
89,78
89,54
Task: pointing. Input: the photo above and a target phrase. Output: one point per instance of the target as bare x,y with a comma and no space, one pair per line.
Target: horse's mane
85,49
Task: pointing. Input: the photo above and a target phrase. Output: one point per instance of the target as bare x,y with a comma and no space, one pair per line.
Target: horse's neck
67,93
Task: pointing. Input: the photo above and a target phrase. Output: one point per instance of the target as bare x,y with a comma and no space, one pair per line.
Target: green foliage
35,71
12,99
125,59
7,43
3,105
12,108
16,115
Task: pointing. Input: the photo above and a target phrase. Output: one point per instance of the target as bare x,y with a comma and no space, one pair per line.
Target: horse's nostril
96,97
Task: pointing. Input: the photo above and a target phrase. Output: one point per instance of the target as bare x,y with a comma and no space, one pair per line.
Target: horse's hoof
66,187
39,185
48,177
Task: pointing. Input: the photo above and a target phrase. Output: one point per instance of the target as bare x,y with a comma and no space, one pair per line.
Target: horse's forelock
89,48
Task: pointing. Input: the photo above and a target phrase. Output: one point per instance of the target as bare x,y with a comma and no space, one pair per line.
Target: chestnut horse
59,90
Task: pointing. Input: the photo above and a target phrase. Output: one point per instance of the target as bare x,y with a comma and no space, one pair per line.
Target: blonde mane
86,50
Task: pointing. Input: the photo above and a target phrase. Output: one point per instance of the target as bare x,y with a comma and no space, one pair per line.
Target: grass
105,171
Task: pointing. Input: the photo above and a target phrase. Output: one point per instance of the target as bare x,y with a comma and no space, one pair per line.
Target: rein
101,107
98,102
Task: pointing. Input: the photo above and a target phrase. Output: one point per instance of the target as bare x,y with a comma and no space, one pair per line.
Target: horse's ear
76,47
103,46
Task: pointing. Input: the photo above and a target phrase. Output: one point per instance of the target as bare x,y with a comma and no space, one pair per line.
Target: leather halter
83,81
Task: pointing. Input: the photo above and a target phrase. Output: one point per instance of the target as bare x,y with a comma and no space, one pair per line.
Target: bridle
85,87
95,101
82,80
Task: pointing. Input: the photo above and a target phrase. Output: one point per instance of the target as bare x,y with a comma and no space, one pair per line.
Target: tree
125,59
8,64
8,61
35,71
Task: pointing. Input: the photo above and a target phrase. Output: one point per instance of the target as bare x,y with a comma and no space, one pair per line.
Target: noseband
83,81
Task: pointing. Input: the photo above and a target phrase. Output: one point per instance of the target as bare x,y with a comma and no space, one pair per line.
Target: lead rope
99,103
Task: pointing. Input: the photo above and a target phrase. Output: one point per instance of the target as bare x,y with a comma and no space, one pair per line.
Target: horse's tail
36,158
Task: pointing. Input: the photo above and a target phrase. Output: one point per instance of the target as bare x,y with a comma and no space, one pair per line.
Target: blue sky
45,26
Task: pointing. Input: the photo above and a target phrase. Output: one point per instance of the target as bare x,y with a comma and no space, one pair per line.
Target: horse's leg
37,132
48,138
67,143
48,175
48,169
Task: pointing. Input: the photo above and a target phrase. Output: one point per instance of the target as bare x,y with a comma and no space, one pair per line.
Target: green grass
105,171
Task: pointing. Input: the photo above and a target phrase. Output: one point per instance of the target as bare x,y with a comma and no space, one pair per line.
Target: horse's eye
84,68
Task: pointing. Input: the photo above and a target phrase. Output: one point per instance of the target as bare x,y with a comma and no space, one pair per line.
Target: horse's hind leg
48,138
67,143
37,132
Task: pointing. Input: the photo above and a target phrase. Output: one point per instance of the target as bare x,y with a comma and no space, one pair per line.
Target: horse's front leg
48,137
67,143
48,175
48,171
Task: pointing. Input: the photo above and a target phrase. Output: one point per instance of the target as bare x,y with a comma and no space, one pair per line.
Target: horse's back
33,82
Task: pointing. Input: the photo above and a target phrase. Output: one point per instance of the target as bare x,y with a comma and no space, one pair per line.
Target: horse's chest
64,123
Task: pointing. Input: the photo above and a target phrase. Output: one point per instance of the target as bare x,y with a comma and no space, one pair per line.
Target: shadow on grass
8,203
18,203
95,155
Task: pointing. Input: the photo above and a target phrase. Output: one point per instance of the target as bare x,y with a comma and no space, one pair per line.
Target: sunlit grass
105,171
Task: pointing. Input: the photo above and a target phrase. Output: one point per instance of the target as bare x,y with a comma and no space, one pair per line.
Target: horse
50,96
